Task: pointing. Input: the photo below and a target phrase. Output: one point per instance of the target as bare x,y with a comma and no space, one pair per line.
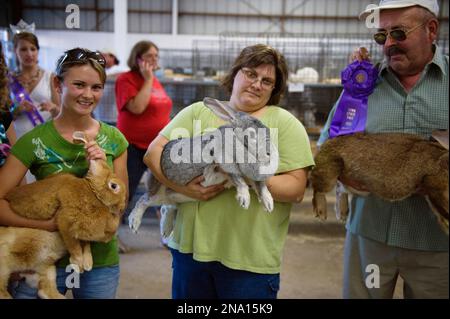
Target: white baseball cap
111,52
430,5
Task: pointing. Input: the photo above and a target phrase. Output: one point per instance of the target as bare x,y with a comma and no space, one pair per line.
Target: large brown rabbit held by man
88,209
392,166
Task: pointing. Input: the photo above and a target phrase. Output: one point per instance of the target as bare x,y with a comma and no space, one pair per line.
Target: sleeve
125,90
182,125
112,141
293,145
22,149
122,143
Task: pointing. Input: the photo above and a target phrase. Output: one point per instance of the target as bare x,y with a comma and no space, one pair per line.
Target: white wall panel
147,22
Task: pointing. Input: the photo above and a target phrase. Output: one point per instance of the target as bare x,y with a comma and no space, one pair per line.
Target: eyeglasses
80,55
252,77
396,34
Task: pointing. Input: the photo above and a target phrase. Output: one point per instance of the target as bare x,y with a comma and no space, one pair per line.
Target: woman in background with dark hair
143,108
220,249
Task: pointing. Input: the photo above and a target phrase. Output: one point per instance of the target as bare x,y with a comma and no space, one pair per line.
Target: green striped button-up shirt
408,223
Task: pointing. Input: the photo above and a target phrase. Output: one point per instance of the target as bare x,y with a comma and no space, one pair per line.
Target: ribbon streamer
19,95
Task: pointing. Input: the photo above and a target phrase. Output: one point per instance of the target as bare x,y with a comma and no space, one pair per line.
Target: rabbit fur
87,209
260,162
392,166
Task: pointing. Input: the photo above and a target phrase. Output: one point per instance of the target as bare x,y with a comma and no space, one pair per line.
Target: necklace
31,81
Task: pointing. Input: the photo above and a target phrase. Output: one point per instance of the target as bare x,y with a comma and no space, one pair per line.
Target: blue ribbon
359,79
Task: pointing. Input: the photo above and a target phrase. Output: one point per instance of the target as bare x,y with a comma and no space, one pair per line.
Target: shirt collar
438,60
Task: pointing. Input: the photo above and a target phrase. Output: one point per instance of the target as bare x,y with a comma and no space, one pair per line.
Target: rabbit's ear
80,137
95,167
220,108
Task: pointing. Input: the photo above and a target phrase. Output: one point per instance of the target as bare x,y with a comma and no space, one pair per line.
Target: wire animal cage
106,109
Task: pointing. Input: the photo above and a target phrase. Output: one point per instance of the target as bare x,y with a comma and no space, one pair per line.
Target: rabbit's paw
50,294
341,207
87,262
320,205
166,226
77,263
134,221
267,200
243,197
167,222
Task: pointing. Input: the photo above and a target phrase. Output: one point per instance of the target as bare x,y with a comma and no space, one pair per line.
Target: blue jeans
192,279
99,283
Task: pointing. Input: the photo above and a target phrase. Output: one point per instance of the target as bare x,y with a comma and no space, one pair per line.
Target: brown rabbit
392,166
88,209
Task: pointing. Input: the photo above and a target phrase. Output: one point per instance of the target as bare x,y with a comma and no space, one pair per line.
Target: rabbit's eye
114,187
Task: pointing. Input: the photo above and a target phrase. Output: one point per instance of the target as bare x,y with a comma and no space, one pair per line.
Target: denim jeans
99,283
192,279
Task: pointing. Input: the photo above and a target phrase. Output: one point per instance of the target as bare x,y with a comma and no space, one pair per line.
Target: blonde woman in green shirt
219,249
48,149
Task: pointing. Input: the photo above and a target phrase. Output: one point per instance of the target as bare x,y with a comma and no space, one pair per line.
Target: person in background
112,63
219,249
36,82
411,96
48,149
143,108
7,132
110,58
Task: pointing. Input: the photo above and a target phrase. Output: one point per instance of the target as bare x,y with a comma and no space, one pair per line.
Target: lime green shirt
219,229
45,152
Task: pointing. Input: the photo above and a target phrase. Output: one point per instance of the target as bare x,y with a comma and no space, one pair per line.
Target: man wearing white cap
389,239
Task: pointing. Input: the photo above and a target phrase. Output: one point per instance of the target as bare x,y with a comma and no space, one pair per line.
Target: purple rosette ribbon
18,95
359,79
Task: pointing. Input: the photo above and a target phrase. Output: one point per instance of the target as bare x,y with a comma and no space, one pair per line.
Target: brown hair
137,51
255,55
26,36
77,57
5,101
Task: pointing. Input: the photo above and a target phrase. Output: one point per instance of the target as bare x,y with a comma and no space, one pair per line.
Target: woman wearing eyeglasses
143,107
400,239
49,149
219,249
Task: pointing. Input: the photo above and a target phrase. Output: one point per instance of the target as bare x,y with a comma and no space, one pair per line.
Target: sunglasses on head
82,55
396,34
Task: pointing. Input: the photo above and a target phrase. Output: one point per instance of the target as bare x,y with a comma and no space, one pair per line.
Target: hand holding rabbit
196,190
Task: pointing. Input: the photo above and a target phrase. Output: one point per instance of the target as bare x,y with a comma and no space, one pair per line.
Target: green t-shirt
45,152
219,229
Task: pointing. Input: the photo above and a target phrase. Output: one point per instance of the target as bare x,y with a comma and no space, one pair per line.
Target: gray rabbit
242,149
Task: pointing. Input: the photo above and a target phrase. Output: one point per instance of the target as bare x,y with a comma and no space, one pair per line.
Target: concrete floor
311,266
